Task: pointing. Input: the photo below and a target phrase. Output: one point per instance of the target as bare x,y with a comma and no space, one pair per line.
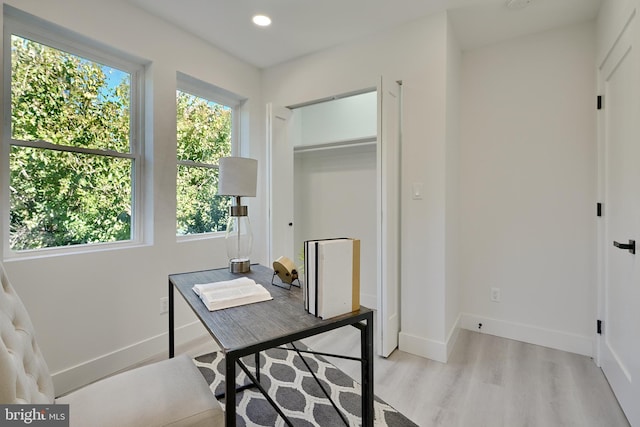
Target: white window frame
27,26
210,92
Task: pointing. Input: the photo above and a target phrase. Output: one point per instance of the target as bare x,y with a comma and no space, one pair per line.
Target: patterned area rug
284,375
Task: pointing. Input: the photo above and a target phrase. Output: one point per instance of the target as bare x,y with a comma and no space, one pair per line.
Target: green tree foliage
61,198
204,136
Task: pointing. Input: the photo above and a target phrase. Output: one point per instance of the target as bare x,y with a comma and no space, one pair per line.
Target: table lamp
237,177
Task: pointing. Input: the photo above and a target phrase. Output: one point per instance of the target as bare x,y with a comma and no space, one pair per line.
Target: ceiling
301,27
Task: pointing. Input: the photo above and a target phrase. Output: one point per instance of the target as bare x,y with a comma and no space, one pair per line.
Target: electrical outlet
164,305
495,294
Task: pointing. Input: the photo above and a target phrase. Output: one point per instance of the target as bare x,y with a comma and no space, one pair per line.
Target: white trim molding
431,349
559,340
71,378
424,347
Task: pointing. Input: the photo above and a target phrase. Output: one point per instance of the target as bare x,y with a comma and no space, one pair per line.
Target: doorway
334,144
342,157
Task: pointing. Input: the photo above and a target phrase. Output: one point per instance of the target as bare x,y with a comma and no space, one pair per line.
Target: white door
388,215
280,163
619,346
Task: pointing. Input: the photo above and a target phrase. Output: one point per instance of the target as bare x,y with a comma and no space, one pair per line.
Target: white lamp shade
237,176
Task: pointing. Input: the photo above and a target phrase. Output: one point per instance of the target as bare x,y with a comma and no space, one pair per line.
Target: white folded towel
231,293
242,281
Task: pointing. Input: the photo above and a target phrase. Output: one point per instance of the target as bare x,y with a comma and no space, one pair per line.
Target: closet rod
357,142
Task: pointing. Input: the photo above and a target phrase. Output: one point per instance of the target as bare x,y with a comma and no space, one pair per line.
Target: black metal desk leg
171,325
366,342
230,392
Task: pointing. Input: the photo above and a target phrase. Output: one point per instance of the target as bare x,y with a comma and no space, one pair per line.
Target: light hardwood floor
488,381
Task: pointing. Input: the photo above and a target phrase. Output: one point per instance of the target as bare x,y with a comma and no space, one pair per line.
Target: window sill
202,236
72,250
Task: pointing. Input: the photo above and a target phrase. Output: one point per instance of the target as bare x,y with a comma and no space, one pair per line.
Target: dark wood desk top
254,327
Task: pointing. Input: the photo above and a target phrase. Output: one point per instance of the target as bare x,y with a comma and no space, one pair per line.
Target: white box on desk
332,271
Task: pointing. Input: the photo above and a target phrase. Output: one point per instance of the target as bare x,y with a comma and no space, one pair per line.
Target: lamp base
239,266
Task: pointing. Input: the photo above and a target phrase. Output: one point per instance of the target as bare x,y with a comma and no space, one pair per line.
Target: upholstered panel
24,375
168,393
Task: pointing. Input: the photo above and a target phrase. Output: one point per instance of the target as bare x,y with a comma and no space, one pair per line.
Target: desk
249,329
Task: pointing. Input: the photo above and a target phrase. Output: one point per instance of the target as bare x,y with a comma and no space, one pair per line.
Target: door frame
273,113
388,223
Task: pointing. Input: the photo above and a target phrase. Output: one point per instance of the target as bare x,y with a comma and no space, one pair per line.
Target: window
74,149
205,133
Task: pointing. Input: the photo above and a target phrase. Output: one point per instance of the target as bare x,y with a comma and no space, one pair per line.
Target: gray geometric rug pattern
287,380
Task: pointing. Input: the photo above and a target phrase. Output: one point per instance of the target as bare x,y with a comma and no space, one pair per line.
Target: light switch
416,191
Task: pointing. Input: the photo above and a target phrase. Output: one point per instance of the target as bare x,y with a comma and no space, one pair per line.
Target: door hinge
599,209
599,102
599,327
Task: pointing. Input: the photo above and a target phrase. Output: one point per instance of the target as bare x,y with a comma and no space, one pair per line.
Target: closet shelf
348,143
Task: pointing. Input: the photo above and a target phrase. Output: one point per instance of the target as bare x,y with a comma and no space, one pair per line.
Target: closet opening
334,171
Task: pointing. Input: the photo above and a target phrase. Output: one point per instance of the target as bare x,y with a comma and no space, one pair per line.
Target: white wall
97,312
509,184
341,120
415,53
528,188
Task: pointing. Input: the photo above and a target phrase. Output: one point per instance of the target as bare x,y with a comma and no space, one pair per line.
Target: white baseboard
453,336
420,346
440,350
558,340
84,373
428,348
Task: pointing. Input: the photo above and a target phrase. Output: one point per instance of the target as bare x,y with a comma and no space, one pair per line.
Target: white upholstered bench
168,393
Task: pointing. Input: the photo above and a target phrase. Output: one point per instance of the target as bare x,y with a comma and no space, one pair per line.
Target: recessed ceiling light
261,20
518,4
